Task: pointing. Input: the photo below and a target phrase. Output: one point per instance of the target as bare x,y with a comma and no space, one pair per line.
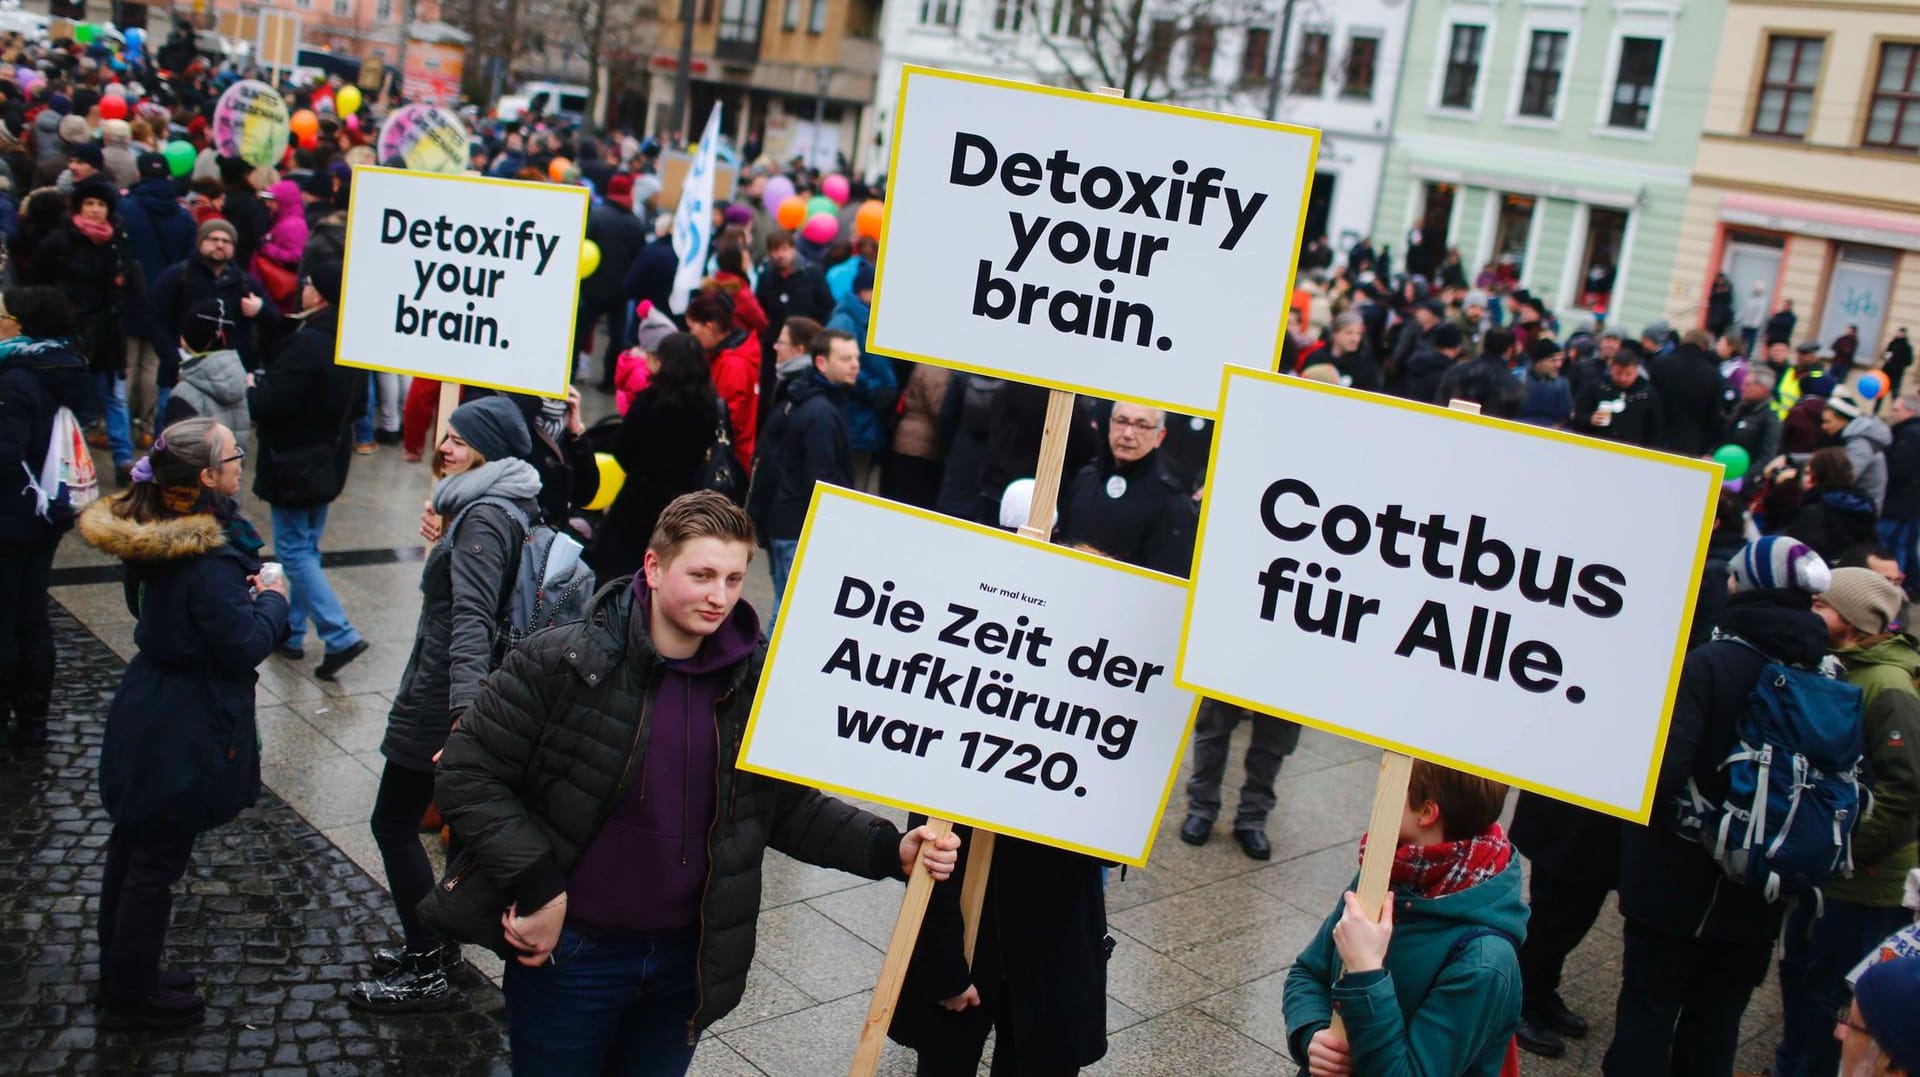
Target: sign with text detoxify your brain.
1503,599
1082,242
462,279
960,671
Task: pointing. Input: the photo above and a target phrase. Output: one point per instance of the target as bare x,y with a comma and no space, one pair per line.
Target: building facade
1807,183
796,77
1341,76
1551,143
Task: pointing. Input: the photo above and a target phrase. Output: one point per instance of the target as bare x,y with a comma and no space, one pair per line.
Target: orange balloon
557,169
867,222
792,213
304,123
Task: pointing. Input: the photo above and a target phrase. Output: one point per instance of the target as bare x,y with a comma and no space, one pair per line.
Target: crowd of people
600,835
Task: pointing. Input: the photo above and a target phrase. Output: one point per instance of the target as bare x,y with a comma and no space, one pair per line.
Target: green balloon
1734,459
180,157
822,204
83,33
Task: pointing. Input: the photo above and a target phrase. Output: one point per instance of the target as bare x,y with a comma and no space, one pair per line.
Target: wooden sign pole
1389,801
893,970
442,422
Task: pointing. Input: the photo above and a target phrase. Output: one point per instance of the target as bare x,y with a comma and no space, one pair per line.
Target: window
1893,120
1600,268
1356,79
1007,15
1463,66
1787,85
1546,58
740,21
1633,83
383,11
1074,18
1511,231
1310,66
1201,41
790,15
817,15
1253,58
1159,47
342,8
932,13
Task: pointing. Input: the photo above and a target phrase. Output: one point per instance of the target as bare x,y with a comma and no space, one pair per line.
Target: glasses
1844,1016
1143,426
218,237
239,454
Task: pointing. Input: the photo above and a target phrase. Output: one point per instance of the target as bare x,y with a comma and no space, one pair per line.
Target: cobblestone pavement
274,919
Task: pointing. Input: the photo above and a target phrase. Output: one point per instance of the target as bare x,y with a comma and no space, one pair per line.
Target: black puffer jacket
1669,880
546,752
302,406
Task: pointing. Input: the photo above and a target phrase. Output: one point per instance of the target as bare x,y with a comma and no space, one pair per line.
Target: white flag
693,220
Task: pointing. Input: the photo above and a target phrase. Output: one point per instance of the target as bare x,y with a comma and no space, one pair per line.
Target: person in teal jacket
1444,1001
870,401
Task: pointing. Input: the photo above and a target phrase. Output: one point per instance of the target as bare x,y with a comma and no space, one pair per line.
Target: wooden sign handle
893,970
442,422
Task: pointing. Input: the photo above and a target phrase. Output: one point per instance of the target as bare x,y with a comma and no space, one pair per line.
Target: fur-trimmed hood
176,539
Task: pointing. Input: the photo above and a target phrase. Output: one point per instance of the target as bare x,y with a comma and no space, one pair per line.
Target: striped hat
1780,562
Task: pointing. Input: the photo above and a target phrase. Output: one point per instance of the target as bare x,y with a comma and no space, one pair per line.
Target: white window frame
1329,72
1551,18
1647,24
1483,15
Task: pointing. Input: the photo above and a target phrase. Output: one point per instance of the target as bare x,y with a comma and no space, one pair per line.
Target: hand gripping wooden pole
893,970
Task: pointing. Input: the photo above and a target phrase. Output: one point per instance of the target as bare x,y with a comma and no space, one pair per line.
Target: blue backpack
549,585
1793,783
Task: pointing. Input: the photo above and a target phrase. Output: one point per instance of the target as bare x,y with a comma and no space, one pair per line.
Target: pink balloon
837,188
821,228
353,122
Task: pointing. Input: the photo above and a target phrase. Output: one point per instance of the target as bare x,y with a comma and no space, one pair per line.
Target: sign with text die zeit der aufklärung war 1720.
1505,599
1112,247
462,279
960,671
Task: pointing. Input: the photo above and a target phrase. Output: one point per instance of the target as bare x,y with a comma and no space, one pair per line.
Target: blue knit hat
1780,562
1889,998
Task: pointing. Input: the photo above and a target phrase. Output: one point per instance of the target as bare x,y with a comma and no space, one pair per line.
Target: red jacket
736,377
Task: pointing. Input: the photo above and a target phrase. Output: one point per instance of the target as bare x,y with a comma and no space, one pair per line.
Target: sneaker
387,960
365,448
162,1009
420,984
335,661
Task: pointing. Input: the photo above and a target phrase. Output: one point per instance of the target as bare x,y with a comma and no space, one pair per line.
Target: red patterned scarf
1448,867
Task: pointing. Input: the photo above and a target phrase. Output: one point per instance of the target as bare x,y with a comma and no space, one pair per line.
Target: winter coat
1884,850
1866,440
802,292
95,278
747,312
1720,308
250,220
620,238
1570,843
1421,374
630,375
916,433
1360,370
286,237
736,377
1549,401
1668,880
188,282
1438,1006
303,406
870,403
1903,473
160,232
181,753
806,442
1687,384
1149,523
548,749
1757,429
1041,956
839,280
37,379
650,277
121,165
1638,424
1486,381
462,588
326,240
1015,426
966,416
661,446
1780,327
213,385
1832,521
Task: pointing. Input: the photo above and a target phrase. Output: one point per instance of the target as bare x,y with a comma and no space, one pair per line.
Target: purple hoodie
646,870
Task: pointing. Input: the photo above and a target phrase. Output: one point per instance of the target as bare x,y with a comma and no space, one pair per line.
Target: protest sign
462,279
250,122
953,669
428,138
1503,599
1079,241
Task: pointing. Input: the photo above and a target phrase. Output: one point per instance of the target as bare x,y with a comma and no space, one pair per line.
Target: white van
551,99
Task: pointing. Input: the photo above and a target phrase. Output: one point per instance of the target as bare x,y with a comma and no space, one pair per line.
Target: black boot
162,1009
420,983
1535,1035
1553,1012
388,959
32,699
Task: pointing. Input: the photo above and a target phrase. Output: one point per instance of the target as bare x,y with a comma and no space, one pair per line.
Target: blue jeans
296,543
363,427
1902,537
605,1006
160,397
1814,963
780,555
110,392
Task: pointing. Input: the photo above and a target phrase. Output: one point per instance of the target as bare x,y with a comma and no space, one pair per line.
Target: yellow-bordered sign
1315,492
548,371
1122,794
1152,254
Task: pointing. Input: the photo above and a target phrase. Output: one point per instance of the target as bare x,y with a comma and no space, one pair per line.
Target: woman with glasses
39,375
181,753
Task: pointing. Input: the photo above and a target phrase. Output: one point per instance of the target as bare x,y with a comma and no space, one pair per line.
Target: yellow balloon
589,258
611,479
346,100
